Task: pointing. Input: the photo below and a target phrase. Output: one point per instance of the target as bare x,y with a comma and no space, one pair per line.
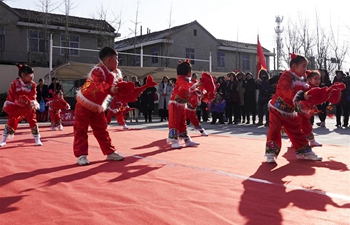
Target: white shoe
53,128
175,144
190,143
82,160
270,158
37,141
125,127
314,143
60,127
204,134
309,156
3,141
114,157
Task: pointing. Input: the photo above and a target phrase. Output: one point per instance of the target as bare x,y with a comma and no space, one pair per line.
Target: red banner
260,58
67,117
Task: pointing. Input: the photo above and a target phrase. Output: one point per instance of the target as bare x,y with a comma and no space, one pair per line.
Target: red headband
292,55
308,72
185,61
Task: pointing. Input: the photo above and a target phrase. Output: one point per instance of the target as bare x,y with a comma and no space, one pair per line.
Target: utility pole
279,31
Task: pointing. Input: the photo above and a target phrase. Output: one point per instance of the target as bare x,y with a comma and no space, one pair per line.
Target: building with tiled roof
24,37
166,47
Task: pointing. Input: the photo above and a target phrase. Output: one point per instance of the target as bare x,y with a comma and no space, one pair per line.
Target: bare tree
292,42
47,7
168,37
136,57
102,15
339,49
322,46
68,6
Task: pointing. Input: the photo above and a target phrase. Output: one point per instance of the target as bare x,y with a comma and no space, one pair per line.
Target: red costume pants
55,116
192,116
98,123
306,127
177,120
292,128
119,116
12,123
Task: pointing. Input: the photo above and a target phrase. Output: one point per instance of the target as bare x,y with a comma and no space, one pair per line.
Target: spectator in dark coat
42,95
322,115
265,94
341,107
54,86
147,102
231,97
250,97
134,114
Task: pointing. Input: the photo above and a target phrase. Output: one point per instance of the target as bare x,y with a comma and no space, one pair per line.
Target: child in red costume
55,105
283,113
21,104
177,106
192,107
91,103
313,78
119,110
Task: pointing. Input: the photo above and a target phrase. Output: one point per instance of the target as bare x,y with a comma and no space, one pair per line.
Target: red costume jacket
181,92
21,99
288,86
95,92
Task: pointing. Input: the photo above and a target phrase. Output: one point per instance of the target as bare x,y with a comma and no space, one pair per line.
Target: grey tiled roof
60,20
163,34
240,45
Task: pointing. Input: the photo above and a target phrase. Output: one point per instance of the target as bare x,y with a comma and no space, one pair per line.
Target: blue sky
224,19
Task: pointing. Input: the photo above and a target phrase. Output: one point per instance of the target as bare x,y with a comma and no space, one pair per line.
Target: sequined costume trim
283,108
173,134
272,148
304,149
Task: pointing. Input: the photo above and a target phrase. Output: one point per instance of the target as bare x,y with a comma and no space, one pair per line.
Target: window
245,62
221,59
195,32
190,54
36,40
71,41
2,38
155,52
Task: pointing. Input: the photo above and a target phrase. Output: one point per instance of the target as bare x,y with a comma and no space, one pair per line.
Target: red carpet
223,181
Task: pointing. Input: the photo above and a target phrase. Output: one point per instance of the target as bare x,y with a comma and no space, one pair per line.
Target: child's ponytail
24,68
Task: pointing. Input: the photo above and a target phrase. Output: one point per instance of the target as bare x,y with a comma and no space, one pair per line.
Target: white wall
8,73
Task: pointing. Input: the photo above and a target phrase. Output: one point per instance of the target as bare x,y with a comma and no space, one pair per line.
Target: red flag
260,58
